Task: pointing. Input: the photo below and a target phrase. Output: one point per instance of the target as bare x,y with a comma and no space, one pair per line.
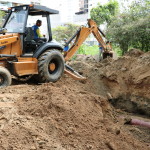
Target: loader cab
21,19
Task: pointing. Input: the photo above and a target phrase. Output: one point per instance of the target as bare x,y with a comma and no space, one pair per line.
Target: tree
131,28
2,14
66,31
104,13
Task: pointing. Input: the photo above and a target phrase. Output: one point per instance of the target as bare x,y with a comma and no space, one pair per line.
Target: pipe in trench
138,122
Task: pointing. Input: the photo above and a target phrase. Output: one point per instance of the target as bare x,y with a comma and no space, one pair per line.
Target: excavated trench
135,112
132,104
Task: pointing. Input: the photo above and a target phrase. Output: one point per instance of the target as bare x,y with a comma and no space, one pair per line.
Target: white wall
19,1
66,8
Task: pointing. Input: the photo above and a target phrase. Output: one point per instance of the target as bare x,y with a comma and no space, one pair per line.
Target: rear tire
5,77
50,66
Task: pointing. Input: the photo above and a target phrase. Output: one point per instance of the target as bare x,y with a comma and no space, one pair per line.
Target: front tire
50,66
5,77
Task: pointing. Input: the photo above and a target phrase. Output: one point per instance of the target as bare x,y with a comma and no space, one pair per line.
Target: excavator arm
80,36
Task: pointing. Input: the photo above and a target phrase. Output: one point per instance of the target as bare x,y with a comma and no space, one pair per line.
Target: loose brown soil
80,115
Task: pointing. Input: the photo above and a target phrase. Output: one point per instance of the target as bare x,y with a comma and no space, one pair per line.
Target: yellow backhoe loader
22,57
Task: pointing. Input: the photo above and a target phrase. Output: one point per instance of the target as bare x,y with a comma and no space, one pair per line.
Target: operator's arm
39,33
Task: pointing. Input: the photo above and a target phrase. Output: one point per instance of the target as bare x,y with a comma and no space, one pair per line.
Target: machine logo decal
2,47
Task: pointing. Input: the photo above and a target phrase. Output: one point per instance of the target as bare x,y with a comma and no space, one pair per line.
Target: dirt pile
75,115
128,79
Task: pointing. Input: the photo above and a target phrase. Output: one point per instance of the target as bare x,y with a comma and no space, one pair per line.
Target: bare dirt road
75,115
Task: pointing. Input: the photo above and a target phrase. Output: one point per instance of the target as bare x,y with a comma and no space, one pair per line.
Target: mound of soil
80,115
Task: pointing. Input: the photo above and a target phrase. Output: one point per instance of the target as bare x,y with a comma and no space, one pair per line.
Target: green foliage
131,28
66,31
104,13
82,49
117,49
88,50
2,14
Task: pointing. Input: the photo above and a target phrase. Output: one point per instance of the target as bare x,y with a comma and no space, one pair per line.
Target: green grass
88,50
94,50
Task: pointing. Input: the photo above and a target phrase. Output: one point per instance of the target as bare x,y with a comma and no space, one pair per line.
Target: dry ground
75,115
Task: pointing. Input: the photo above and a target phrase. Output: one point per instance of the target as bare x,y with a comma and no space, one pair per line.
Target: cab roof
37,9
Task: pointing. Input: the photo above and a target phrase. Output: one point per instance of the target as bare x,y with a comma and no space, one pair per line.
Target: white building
85,8
10,3
5,4
68,8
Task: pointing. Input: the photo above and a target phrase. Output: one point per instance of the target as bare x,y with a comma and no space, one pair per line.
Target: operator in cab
37,34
